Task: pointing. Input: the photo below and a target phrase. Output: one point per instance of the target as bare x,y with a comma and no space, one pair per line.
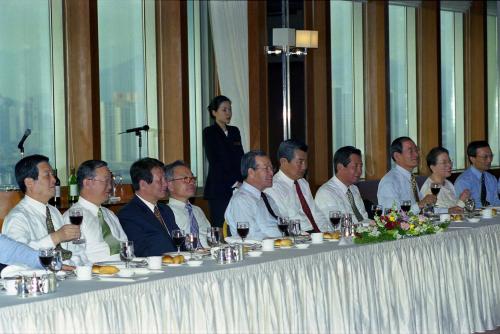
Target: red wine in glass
435,190
46,260
76,220
405,208
378,212
282,227
178,241
243,232
335,221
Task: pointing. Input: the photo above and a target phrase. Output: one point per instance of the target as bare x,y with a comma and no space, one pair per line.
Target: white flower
397,235
375,233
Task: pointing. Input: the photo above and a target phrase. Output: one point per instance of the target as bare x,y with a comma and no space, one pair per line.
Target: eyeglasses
485,157
186,179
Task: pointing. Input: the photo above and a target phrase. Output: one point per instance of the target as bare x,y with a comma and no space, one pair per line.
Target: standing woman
224,151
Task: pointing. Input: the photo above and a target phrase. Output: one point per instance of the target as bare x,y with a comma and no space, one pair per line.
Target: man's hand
465,195
428,199
455,210
66,233
65,267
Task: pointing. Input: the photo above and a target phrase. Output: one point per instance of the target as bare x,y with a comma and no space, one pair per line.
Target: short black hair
397,145
27,167
169,169
288,147
474,145
343,155
433,155
141,170
87,170
216,102
248,161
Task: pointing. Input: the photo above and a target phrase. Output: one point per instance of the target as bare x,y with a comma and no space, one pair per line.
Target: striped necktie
66,254
194,228
160,219
113,243
355,210
414,187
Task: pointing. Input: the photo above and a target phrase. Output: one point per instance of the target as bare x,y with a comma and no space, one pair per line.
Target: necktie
414,187
160,219
268,206
350,197
113,243
305,207
484,202
66,254
195,229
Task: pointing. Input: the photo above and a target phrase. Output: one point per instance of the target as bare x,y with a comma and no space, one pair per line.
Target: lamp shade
306,39
283,36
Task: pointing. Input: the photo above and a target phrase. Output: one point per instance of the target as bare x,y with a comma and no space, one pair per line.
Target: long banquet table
444,283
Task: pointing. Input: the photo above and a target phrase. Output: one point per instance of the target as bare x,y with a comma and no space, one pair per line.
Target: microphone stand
139,134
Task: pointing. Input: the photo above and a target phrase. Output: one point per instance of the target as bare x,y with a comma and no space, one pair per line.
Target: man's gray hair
169,169
87,170
248,161
288,147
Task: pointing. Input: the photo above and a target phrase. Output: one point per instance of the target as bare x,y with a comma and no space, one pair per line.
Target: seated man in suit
181,187
340,192
291,191
482,185
33,221
400,184
100,227
148,223
249,203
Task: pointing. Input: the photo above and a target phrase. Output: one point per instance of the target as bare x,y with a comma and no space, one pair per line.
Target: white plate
283,247
473,220
332,240
302,246
141,271
174,264
254,253
194,263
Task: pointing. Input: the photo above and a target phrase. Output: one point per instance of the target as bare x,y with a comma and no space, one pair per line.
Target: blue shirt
395,187
471,179
13,252
247,205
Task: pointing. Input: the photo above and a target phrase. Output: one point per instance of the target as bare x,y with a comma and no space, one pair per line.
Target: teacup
10,285
84,273
317,238
487,213
154,262
444,217
268,245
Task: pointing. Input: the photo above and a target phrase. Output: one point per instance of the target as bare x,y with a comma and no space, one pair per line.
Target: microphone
141,128
21,143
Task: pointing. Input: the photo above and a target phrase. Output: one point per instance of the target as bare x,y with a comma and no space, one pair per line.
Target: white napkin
237,240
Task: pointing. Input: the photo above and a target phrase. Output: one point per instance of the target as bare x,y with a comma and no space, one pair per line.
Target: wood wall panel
82,80
428,87
257,65
172,76
376,82
317,95
475,72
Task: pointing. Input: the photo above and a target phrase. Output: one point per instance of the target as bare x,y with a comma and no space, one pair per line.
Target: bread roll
286,243
96,269
168,259
179,259
108,270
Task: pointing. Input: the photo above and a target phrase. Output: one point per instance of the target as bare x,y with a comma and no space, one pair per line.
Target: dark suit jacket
143,228
224,159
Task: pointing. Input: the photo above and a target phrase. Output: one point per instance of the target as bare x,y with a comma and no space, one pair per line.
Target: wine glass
283,225
213,236
76,218
191,241
377,210
346,225
243,229
470,205
334,219
46,256
405,206
117,181
294,228
178,237
126,252
435,188
56,263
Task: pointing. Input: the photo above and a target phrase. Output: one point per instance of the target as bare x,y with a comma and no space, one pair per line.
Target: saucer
254,253
473,220
302,246
194,263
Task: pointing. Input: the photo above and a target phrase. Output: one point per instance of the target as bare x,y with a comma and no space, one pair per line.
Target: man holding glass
482,185
400,184
146,221
100,226
33,221
181,185
340,192
249,204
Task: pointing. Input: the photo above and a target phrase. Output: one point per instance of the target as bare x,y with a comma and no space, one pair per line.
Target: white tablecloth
445,283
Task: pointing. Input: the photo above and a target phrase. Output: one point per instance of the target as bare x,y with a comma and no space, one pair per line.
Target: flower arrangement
395,225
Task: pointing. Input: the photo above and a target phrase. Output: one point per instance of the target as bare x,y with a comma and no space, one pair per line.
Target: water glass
294,229
191,242
126,252
57,261
346,225
213,236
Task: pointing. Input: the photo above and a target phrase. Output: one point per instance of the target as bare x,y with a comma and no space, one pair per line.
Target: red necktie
305,207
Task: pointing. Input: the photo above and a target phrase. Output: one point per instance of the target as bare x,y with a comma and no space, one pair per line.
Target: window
492,84
452,89
32,85
347,74
402,72
127,77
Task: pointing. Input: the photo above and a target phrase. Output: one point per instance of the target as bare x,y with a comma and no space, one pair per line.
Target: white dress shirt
26,223
446,197
395,187
182,219
97,249
285,196
247,205
332,196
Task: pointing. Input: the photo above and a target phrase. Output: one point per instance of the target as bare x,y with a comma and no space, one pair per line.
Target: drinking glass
346,225
76,218
435,188
56,263
46,256
191,241
335,219
283,225
126,252
178,237
377,210
243,228
294,229
405,206
117,181
213,236
470,205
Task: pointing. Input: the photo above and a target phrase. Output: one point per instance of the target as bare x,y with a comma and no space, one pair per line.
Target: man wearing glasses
482,185
100,227
181,185
400,184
